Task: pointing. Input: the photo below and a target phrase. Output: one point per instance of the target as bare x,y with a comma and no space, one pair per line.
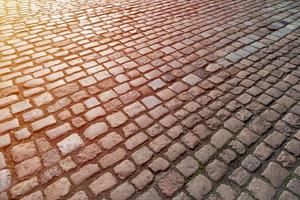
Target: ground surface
149,100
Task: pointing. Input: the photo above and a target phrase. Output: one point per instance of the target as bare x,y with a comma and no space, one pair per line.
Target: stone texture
84,173
188,166
124,169
125,99
58,131
103,183
23,151
136,140
43,123
143,179
171,183
87,153
24,187
275,173
216,169
142,155
199,186
251,163
70,144
81,195
159,164
240,176
293,185
122,192
261,190
112,158
95,130
116,119
220,138
110,140
150,194
6,179
28,167
58,189
205,153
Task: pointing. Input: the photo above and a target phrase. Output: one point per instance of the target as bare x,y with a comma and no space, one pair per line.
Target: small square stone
263,152
171,183
142,155
234,124
251,163
275,173
124,169
240,176
188,166
151,101
191,79
261,190
117,119
216,169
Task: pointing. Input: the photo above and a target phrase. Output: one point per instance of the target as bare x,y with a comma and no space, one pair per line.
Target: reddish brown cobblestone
149,100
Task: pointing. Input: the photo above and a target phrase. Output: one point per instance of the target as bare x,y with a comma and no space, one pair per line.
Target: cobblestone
124,169
33,115
216,169
226,192
43,123
95,130
275,173
23,151
199,186
58,131
9,125
112,158
142,155
24,187
240,176
70,144
136,140
220,138
143,179
149,100
175,151
293,185
28,167
171,183
122,192
116,119
150,194
228,155
84,173
159,164
205,153
58,189
103,183
188,166
6,179
261,189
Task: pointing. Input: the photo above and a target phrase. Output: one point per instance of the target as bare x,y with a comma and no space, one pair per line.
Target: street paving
150,99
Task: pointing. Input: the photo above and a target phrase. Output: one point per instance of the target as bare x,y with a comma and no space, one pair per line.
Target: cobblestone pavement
149,100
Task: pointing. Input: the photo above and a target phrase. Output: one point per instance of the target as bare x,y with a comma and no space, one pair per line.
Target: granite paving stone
149,100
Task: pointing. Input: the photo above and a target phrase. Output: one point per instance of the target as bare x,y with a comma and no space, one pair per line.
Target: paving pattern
149,100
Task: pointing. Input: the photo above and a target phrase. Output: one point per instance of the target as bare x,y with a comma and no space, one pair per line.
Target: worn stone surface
102,183
58,189
122,192
149,99
6,179
261,189
199,186
70,144
171,183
